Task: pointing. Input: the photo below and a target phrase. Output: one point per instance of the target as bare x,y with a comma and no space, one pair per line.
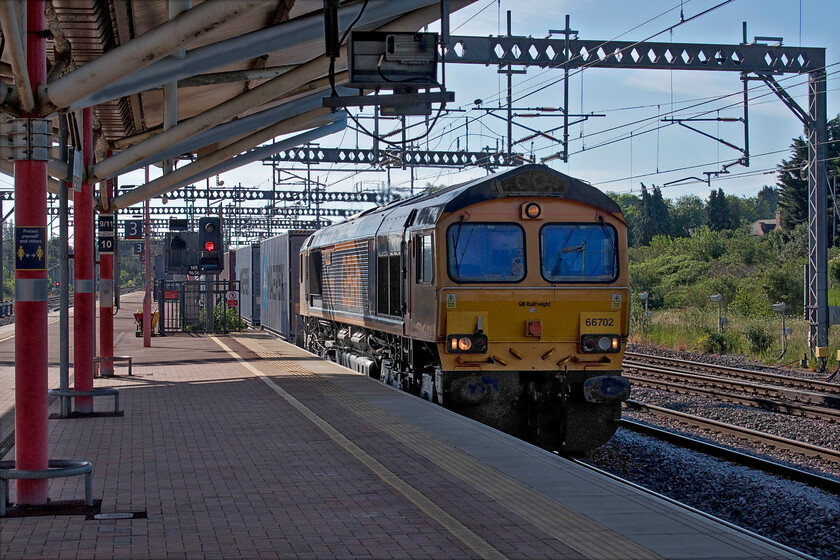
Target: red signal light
209,246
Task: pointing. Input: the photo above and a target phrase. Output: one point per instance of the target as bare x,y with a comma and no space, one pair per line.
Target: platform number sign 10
134,229
105,245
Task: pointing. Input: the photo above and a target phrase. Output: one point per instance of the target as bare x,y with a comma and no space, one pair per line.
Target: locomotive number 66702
505,299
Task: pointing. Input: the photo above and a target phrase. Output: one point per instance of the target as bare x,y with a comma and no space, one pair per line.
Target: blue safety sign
30,248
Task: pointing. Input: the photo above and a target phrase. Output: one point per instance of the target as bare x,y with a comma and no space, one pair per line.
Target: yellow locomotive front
533,313
505,299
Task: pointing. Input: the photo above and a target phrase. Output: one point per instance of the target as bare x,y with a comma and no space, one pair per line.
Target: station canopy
237,73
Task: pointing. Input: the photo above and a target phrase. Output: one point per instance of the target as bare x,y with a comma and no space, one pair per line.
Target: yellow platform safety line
435,512
582,534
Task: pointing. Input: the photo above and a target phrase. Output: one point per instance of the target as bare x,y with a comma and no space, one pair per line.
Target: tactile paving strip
568,526
427,506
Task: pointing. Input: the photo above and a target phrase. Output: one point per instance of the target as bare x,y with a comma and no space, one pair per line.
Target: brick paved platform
242,446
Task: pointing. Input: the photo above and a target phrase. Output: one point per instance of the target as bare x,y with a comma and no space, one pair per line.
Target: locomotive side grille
346,278
533,183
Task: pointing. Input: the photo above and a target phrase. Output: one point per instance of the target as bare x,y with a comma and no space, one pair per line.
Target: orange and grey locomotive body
505,299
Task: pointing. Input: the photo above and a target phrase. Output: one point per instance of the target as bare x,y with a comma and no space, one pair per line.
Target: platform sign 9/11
106,241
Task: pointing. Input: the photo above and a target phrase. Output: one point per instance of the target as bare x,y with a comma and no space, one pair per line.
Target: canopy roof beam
10,21
177,177
140,52
232,51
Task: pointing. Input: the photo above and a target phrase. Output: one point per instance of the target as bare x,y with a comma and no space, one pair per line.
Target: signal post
210,262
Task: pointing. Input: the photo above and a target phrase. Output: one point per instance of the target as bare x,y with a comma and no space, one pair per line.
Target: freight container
248,274
280,293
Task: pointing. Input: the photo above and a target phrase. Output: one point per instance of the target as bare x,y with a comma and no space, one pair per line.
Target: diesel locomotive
505,299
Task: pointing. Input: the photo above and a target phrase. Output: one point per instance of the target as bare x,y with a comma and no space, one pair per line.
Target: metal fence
183,306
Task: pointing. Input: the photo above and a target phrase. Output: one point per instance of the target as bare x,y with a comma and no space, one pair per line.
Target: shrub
784,284
750,302
707,245
714,342
834,270
224,319
758,338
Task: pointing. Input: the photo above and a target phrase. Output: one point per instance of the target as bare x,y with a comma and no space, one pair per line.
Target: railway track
771,467
805,400
635,360
755,436
784,407
770,482
53,303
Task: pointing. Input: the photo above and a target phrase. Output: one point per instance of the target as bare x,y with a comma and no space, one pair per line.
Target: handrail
57,468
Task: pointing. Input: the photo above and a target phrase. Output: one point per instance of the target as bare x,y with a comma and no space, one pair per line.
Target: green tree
717,211
766,201
792,176
689,213
741,211
654,216
629,204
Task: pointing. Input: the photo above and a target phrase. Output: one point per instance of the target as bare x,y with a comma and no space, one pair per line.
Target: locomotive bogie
505,299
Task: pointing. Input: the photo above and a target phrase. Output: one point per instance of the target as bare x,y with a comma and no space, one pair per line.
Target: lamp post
717,298
644,297
780,308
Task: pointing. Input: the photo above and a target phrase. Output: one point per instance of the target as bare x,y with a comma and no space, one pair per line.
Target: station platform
244,446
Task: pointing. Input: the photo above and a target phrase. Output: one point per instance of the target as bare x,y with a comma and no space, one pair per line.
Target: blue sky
624,164
625,96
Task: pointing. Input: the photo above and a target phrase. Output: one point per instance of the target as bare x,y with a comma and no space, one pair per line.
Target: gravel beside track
788,512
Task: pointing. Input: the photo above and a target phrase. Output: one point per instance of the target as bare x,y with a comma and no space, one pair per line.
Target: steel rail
815,480
819,413
832,401
772,440
754,374
53,301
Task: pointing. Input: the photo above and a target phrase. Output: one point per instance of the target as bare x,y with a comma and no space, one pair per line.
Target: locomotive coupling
606,389
474,390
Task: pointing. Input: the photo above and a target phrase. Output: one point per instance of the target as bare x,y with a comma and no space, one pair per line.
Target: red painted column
106,302
84,306
31,383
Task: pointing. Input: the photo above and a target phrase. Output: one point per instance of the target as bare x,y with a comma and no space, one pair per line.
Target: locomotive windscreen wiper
457,238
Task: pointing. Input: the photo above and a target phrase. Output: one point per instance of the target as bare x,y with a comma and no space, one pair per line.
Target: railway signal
210,245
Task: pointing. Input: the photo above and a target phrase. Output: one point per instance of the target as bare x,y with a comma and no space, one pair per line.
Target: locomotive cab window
578,253
425,270
485,252
389,275
313,273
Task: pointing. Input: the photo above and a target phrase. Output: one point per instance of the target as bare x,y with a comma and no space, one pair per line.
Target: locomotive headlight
600,343
531,211
466,343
